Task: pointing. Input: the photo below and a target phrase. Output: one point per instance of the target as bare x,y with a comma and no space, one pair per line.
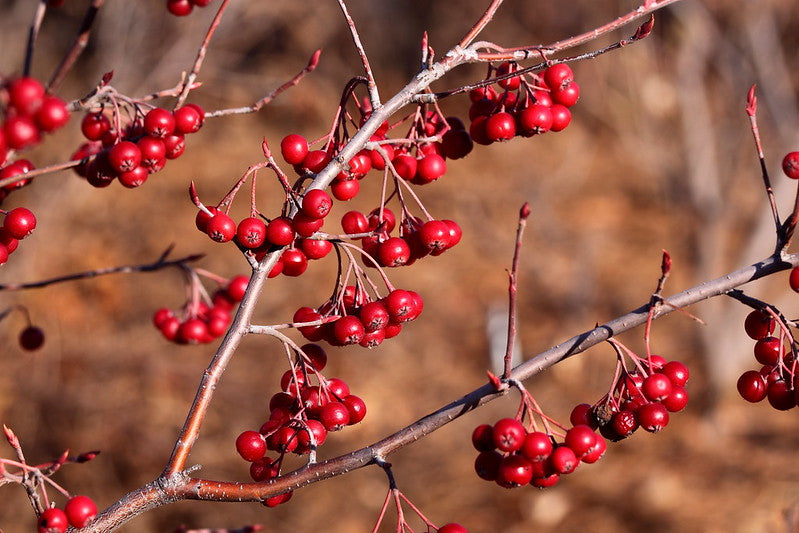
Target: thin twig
513,278
374,96
33,33
78,46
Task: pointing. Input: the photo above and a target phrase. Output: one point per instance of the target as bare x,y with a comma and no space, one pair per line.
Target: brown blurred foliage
658,156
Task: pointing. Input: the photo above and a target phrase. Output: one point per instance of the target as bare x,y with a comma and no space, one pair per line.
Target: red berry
505,68
514,471
354,222
316,203
294,148
124,156
52,115
457,143
356,407
179,8
251,445
133,178
653,416
94,125
624,423
393,252
558,76
509,435
677,400
566,95
486,465
790,165
31,338
537,446
656,387
334,416
80,511
294,261
52,520
500,127
563,460
535,118
306,226
159,123
236,287
583,414
374,315
19,222
251,232
316,248
430,168
221,228
280,232
435,235
561,117
759,324
405,165
581,439
596,453
676,372
780,395
483,438
25,95
344,190
21,132
153,153
752,386
348,330
189,118
793,280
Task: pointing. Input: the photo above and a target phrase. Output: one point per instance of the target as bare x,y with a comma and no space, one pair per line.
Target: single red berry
510,84
759,324
653,416
316,203
159,123
334,416
457,143
52,520
500,127
558,76
189,118
179,8
25,95
435,235
393,252
251,445
294,261
780,395
316,248
790,165
793,280
124,156
346,189
353,222
280,232
80,511
360,164
563,460
483,438
430,168
307,314
315,161
236,287
294,148
624,423
677,400
316,355
52,115
514,471
561,117
221,228
566,95
583,414
193,331
596,453
21,132
251,232
94,125
19,222
405,165
317,429
175,145
153,153
356,407
509,434
374,315
202,218
134,178
386,220
676,372
537,446
535,118
348,330
752,386
31,338
486,465
656,387
264,468
581,439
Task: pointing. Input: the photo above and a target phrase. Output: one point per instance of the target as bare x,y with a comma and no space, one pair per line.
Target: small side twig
513,275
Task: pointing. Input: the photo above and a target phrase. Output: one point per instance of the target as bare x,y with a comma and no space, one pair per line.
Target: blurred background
659,155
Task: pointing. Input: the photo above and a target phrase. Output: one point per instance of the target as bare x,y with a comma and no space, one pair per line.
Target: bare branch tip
524,212
751,101
665,264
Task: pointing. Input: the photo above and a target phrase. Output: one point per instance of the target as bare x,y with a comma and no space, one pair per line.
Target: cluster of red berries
256,235
524,105
511,456
199,321
300,417
181,8
78,512
17,224
642,398
30,113
416,238
133,151
361,319
775,380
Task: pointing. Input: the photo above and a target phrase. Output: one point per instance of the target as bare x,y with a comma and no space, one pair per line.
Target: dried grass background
659,155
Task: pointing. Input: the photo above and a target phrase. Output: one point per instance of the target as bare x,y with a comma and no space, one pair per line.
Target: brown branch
158,264
33,33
